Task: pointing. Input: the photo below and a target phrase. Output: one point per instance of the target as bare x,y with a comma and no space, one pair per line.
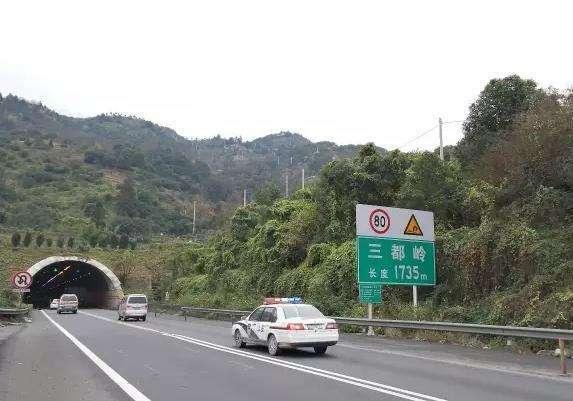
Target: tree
431,184
27,239
268,194
96,212
124,266
16,238
60,242
123,241
49,242
243,222
127,200
71,242
39,240
493,113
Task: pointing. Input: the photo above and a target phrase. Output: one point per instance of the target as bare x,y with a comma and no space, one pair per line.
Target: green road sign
395,261
370,293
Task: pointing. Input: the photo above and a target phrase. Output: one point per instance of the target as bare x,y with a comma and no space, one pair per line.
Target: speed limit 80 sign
379,221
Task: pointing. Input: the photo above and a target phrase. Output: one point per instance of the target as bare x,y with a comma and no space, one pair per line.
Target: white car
55,303
286,323
68,303
134,306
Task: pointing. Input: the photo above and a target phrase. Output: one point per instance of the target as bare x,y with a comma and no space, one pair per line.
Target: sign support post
370,331
415,295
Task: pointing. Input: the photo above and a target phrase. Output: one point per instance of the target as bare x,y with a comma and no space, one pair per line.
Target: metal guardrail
230,312
507,331
13,311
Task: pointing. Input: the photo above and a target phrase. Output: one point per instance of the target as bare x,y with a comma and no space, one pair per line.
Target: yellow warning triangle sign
413,228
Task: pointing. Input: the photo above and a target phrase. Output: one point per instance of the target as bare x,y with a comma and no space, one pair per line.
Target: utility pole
302,178
440,123
244,197
286,186
194,203
278,161
291,160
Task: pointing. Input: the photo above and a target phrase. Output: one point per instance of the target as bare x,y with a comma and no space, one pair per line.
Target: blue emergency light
289,300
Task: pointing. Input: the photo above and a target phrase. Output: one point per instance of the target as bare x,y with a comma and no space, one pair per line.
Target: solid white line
129,389
370,385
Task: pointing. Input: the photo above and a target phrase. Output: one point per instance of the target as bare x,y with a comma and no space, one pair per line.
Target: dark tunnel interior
68,277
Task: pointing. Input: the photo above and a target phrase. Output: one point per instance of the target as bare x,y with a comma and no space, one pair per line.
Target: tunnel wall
111,297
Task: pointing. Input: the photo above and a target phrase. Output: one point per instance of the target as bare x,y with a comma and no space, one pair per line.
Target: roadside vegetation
503,203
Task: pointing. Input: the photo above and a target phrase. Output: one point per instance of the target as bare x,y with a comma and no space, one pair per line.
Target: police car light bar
290,300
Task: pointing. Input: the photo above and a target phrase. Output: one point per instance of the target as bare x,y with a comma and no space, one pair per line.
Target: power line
417,137
427,132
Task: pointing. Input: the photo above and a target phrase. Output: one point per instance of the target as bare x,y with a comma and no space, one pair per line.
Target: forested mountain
114,175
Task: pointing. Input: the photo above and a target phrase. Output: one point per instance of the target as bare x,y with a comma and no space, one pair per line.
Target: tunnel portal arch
109,296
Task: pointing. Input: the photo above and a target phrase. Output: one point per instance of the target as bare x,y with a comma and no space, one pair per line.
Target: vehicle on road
54,304
134,306
68,303
286,323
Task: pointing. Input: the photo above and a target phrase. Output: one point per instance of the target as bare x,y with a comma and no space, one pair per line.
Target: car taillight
331,326
295,326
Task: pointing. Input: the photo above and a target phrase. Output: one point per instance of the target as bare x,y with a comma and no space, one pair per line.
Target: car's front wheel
273,345
239,343
143,318
321,349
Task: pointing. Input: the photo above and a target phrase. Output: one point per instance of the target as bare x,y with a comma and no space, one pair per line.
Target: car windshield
69,298
137,300
303,311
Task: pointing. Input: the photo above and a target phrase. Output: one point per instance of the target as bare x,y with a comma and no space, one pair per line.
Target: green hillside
109,176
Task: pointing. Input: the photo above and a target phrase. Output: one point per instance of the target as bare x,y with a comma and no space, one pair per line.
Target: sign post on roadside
393,247
21,283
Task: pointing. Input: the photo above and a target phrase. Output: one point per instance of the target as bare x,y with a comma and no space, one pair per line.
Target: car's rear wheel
321,349
118,316
239,343
273,345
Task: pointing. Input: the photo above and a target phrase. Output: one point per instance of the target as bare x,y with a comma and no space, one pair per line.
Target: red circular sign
22,280
379,221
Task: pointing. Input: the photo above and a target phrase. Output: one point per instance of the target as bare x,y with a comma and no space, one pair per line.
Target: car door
268,318
254,326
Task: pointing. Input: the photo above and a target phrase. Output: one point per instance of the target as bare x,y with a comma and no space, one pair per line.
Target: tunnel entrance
95,285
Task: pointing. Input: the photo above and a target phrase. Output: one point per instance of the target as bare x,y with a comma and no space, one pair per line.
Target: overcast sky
345,71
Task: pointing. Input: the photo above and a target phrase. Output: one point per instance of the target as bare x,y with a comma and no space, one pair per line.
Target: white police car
286,323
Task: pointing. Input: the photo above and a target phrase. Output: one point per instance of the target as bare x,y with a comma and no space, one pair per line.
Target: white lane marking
466,363
370,385
127,387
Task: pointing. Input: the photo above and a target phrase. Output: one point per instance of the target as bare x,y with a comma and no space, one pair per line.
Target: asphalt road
92,356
